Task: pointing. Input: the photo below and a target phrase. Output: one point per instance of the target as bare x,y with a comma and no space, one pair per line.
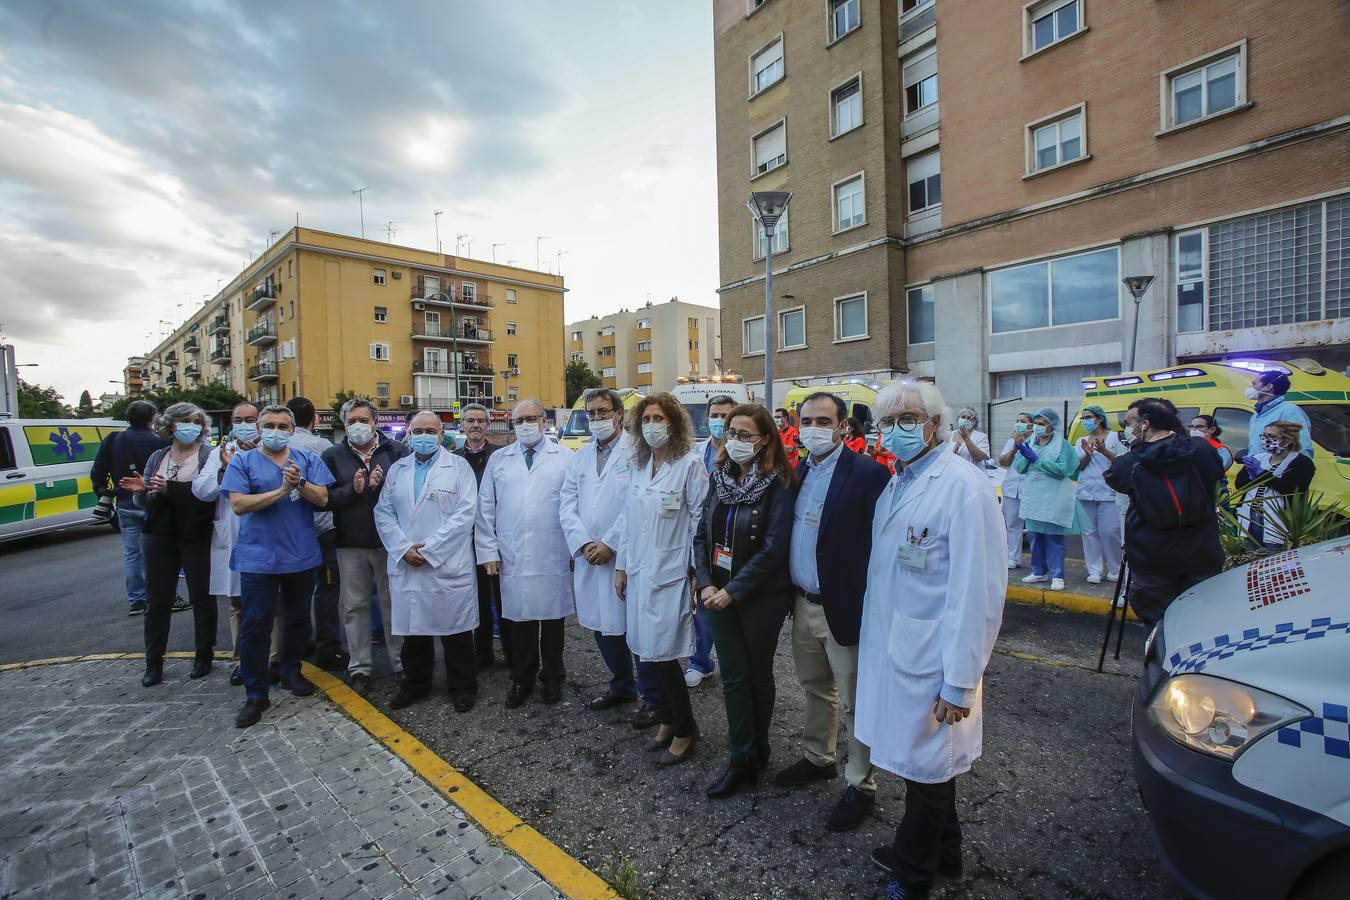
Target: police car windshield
1330,426
577,424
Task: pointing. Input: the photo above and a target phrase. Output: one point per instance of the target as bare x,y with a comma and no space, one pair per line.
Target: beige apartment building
319,313
651,346
972,182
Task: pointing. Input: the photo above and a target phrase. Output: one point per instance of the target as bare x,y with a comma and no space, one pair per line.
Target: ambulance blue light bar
1176,373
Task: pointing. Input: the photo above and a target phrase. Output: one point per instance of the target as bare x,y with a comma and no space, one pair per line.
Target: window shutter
921,167
920,69
770,146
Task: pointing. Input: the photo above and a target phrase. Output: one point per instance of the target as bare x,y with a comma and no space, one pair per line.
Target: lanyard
731,522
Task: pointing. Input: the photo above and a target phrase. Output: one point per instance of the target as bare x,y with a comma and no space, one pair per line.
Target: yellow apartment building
649,347
319,313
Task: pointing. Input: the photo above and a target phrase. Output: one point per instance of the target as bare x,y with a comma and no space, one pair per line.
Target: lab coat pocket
445,502
913,646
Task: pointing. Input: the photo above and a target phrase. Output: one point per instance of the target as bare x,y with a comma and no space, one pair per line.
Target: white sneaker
693,677
1094,579
1013,565
1057,584
1033,578
1112,576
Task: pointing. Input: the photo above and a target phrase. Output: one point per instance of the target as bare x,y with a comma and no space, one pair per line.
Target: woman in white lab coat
425,518
653,563
935,587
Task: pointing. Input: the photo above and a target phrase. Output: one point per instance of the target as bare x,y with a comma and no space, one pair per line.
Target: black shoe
732,779
851,810
236,676
519,691
200,667
180,604
360,684
250,713
274,673
334,662
672,759
948,871
154,674
407,695
551,693
645,717
609,701
299,685
762,757
803,771
463,700
137,608
656,744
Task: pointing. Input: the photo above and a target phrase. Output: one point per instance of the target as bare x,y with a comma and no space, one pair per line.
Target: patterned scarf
734,493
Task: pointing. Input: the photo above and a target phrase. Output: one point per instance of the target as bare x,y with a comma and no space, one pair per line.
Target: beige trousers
237,617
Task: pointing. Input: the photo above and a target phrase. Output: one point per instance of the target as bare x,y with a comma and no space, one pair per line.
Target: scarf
731,492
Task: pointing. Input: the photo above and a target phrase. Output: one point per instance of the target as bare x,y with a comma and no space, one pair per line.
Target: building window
1207,87
513,394
382,390
919,301
766,67
608,351
1191,281
924,175
1052,21
922,92
381,314
578,356
510,295
846,106
510,327
644,346
431,322
849,204
379,351
512,361
576,335
770,149
1057,141
644,323
908,6
1066,291
644,368
1338,258
469,291
780,238
377,276
1267,269
752,336
850,317
693,322
607,331
610,372
843,18
792,328
292,305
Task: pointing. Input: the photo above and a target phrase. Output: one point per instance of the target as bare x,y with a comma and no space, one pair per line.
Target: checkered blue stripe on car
1332,727
1195,657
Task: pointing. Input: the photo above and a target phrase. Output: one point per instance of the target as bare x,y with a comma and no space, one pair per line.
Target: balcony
479,302
220,353
172,378
220,325
191,346
263,296
192,370
263,371
265,332
436,367
471,334
171,357
917,21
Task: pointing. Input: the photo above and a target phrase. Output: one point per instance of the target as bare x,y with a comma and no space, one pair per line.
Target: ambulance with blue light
44,473
1241,729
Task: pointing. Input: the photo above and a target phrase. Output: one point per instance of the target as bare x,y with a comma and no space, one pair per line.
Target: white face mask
817,440
1251,393
656,434
1196,432
602,429
741,452
528,433
359,433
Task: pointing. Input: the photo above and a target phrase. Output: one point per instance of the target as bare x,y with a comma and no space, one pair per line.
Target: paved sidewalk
108,789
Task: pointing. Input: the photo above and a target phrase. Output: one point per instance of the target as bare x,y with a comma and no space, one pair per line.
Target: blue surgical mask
717,428
1090,424
1021,427
246,432
187,432
965,423
1038,430
275,438
904,445
423,444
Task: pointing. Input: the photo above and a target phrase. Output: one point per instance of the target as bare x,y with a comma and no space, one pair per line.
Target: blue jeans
1047,552
132,522
260,595
703,643
620,661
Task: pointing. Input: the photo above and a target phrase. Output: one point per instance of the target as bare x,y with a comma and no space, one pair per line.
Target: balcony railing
445,333
436,367
263,296
191,345
263,371
220,352
172,378
917,21
192,370
171,357
478,301
220,325
265,332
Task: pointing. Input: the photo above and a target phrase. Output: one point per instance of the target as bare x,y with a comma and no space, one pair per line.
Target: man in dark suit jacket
474,423
837,491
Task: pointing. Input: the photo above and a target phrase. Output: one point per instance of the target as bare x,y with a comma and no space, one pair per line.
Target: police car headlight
1217,716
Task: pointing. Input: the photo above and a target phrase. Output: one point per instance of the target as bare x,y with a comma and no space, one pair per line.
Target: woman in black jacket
1281,471
177,537
741,557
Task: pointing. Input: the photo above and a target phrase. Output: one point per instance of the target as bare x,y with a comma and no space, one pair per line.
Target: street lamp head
768,207
1137,285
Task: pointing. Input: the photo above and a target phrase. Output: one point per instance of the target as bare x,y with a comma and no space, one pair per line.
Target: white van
44,473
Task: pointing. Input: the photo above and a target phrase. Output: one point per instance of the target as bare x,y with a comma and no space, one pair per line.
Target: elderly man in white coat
520,537
425,518
935,586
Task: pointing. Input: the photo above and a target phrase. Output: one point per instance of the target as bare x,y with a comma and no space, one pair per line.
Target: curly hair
773,459
681,429
182,412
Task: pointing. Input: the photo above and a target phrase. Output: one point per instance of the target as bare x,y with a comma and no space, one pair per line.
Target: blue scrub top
281,538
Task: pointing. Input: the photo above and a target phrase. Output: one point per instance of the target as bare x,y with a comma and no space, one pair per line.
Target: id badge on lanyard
722,552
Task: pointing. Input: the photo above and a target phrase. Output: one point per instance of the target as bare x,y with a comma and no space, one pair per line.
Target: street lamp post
454,338
768,207
1137,285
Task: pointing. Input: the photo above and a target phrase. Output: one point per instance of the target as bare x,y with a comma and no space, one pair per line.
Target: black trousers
163,559
673,709
489,598
419,661
929,835
1150,595
536,651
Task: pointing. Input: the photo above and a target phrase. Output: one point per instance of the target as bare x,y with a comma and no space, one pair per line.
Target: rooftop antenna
561,254
537,241
494,250
390,229
361,202
468,248
436,217
458,238
272,236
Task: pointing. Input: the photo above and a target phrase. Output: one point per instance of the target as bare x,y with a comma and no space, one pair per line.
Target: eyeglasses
529,420
907,423
600,414
747,436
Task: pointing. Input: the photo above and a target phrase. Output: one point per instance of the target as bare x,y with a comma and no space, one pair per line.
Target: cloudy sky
149,146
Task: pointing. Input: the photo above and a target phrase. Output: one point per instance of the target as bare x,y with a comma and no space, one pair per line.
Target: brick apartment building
973,180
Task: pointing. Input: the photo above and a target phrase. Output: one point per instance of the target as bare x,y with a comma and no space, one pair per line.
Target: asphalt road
1050,811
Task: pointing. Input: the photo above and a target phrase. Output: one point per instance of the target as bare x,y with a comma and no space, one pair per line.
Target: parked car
44,473
1240,735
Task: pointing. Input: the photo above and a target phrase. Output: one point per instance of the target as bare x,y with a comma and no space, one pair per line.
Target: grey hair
474,407
539,406
353,404
608,393
900,393
974,413
182,412
277,409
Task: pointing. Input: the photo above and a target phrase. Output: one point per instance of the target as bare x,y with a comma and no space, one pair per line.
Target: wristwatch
303,482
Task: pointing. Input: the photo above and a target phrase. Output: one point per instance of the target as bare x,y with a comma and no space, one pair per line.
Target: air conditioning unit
405,400
496,401
383,401
397,274
419,306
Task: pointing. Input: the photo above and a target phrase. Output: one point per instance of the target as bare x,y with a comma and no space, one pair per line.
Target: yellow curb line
1084,603
553,863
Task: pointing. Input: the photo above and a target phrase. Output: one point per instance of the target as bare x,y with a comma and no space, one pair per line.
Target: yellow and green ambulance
44,473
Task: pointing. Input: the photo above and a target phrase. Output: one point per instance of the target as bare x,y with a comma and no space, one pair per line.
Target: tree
342,397
85,409
37,402
208,396
579,378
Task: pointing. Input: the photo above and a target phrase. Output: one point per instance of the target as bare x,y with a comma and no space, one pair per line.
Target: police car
1240,734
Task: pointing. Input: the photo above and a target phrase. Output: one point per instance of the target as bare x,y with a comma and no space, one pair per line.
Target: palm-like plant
1300,519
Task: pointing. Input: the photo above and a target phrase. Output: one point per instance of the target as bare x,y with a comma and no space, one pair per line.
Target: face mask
1270,444
187,432
1038,430
741,451
275,438
1127,435
1021,428
965,424
904,445
656,434
717,428
528,433
780,422
1090,424
423,444
246,432
1251,393
359,433
1196,432
602,429
817,440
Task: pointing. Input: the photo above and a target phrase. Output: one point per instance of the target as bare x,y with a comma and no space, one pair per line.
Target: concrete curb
1083,603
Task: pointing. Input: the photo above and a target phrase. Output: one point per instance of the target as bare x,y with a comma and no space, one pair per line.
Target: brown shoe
645,717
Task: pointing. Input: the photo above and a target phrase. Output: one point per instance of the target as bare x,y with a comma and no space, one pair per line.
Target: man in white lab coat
935,585
594,492
520,537
425,518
